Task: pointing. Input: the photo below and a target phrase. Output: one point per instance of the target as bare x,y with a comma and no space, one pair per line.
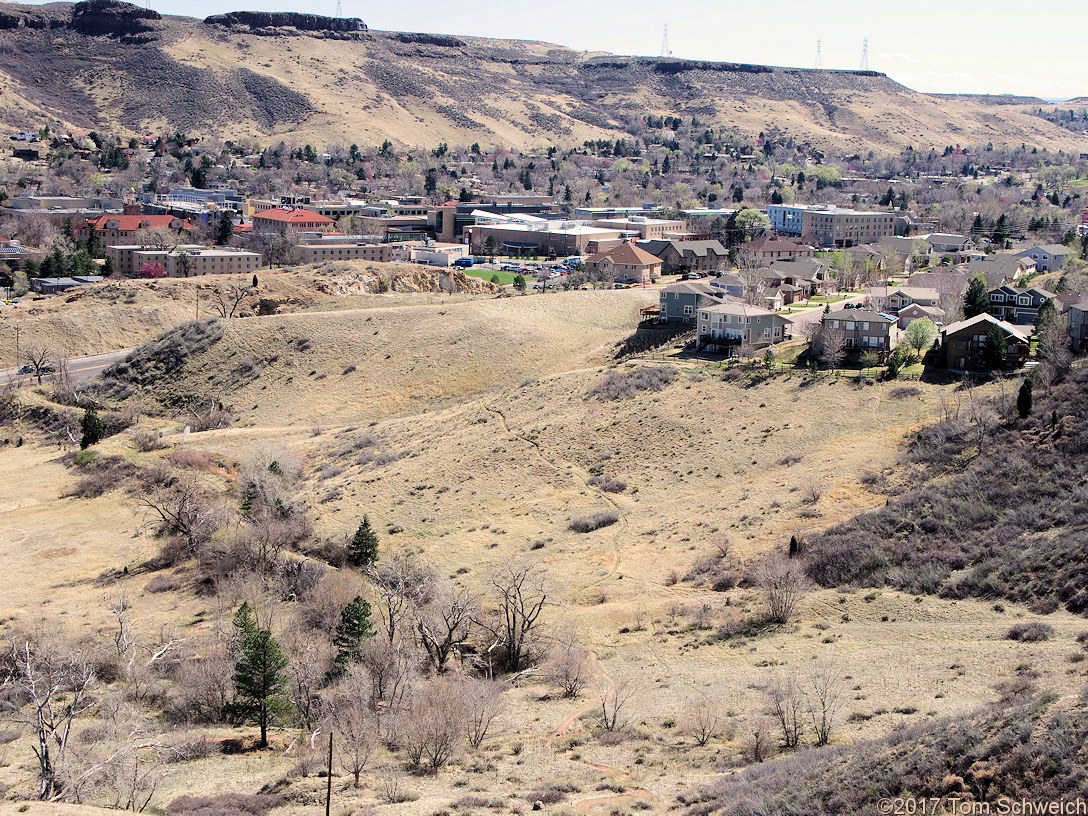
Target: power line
864,55
819,57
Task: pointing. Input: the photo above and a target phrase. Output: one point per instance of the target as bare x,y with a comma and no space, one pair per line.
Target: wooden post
328,789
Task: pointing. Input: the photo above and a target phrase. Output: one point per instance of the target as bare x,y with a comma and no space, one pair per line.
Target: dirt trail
587,805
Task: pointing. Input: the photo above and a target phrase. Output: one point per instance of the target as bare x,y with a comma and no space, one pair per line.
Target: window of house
834,324
1025,300
767,334
850,325
705,316
689,310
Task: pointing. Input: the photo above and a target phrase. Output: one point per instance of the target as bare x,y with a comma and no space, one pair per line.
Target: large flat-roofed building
187,260
645,229
123,256
548,237
835,227
131,227
786,218
322,251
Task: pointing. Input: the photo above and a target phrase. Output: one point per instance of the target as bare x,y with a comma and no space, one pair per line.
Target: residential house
811,274
1049,258
727,326
688,256
764,249
125,228
904,296
1018,306
908,314
279,219
1078,325
626,263
964,343
54,286
1001,268
680,302
864,329
12,252
949,246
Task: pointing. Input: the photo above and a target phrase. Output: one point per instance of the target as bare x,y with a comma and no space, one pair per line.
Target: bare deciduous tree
783,584
757,739
568,666
400,584
483,703
615,699
443,621
354,724
522,596
830,346
227,298
184,507
703,721
434,724
786,699
57,683
825,692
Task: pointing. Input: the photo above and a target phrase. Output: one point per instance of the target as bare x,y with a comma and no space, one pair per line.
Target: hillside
104,66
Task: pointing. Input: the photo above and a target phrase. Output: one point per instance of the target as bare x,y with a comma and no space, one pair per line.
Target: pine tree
1024,400
93,427
259,682
224,230
363,549
353,629
976,299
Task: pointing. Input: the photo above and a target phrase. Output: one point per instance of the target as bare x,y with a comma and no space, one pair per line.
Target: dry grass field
483,443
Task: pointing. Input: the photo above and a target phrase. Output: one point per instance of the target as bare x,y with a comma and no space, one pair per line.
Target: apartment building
864,329
786,218
838,228
312,253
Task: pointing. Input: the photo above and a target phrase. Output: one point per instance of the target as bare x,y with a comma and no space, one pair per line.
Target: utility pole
16,345
328,789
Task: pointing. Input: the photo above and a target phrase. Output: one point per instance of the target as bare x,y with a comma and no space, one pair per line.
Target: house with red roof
280,219
128,228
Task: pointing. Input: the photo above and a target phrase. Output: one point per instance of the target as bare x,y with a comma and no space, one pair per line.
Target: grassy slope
495,467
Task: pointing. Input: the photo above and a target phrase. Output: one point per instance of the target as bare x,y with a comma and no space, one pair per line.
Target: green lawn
488,274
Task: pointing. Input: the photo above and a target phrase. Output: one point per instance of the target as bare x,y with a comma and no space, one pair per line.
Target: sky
936,46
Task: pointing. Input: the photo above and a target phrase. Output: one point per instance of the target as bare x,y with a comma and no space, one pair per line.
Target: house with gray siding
864,329
680,302
1017,306
727,326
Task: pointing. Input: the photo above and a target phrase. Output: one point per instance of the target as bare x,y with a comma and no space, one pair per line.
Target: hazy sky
952,46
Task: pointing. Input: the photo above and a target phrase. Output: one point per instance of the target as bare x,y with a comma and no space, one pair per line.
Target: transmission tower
864,55
665,52
339,10
819,58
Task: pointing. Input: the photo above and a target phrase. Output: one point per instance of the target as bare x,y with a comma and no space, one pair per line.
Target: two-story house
1017,306
904,296
687,256
681,302
1049,258
908,314
964,343
864,329
727,326
764,249
1001,268
1078,325
626,263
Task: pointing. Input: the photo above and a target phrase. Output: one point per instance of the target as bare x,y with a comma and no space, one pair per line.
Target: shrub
624,384
594,521
146,441
1030,632
904,392
609,484
791,459
224,804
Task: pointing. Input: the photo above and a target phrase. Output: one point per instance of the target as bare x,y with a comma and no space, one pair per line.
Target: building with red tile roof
279,219
112,228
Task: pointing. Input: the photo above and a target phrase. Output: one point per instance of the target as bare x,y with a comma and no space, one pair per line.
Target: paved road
80,369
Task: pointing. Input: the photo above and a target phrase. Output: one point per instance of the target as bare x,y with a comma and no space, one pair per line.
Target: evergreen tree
1046,316
93,427
976,299
254,281
245,626
491,246
259,682
519,282
1024,400
776,197
353,629
224,230
363,549
993,353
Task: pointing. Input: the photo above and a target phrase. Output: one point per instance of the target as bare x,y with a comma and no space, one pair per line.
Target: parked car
511,268
464,263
